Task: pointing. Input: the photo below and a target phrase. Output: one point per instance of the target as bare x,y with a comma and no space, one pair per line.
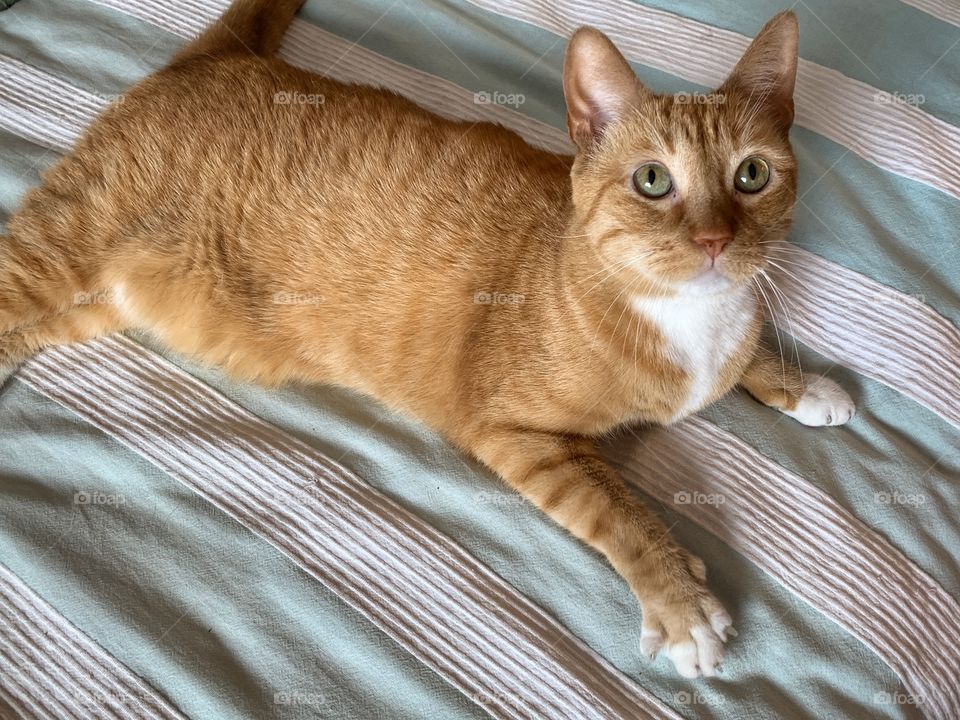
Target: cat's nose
712,243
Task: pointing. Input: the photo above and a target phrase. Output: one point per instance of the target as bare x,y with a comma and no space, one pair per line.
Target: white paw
823,403
696,651
690,627
5,373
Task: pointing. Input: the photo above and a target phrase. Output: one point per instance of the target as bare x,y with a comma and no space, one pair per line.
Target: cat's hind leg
82,322
51,256
35,283
55,249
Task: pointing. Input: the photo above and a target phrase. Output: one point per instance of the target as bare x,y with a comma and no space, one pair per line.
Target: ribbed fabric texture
946,10
872,329
811,544
50,670
42,108
423,590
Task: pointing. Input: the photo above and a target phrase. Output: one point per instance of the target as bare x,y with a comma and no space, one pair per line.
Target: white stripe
416,585
898,137
946,10
872,329
32,106
812,545
53,670
888,322
309,47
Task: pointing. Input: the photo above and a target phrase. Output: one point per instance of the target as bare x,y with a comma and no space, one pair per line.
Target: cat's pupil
752,171
651,176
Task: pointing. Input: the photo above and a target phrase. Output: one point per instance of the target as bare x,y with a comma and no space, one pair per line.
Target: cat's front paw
823,403
688,624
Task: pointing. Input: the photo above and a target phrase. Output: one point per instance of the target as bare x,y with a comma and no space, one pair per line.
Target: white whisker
776,330
782,299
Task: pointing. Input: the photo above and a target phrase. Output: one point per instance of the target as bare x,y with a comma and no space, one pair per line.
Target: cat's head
687,190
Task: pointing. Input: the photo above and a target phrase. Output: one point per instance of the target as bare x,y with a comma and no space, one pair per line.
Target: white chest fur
702,332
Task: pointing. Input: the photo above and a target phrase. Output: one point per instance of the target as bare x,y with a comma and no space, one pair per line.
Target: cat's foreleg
566,478
810,399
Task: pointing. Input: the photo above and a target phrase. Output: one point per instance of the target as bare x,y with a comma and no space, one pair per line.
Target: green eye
752,175
652,180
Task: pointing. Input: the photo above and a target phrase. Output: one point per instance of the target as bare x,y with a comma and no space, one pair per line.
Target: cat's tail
248,26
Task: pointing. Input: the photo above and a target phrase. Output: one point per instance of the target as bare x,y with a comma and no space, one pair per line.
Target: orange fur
352,237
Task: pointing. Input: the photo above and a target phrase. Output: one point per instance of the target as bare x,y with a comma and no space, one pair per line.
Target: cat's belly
707,337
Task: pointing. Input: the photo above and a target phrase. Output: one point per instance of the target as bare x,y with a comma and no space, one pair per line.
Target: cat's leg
80,323
810,399
52,255
566,478
37,280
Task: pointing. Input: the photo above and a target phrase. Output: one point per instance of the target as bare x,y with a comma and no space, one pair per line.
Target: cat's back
279,134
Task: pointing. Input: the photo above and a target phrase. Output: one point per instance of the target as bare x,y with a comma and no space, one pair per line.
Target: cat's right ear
598,84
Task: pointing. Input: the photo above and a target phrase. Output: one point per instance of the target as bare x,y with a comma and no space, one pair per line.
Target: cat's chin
709,282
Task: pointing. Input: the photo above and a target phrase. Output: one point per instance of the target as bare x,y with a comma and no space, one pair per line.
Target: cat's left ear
767,72
599,86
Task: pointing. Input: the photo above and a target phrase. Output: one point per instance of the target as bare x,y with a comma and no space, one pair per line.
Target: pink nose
712,244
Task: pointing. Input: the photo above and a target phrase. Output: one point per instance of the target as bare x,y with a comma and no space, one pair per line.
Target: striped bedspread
176,545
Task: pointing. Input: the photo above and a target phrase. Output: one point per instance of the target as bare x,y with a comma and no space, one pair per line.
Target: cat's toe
695,645
823,403
690,629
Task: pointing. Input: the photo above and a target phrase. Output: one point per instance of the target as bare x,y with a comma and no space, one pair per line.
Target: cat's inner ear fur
599,86
767,72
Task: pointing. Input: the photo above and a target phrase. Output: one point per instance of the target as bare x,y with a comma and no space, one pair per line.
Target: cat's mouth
719,274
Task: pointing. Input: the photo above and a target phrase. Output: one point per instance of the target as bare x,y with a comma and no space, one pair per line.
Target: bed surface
174,544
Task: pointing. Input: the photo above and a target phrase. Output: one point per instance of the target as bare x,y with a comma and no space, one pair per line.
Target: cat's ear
598,84
767,72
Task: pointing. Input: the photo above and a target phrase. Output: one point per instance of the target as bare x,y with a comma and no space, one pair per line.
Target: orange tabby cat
519,302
